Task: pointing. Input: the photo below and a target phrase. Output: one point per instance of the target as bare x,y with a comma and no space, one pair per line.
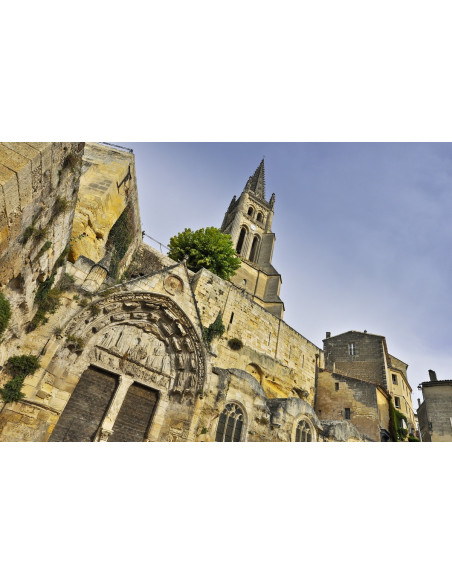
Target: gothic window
250,211
303,433
241,240
230,424
254,249
259,218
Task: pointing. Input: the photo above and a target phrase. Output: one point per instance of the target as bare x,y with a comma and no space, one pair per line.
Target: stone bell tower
249,220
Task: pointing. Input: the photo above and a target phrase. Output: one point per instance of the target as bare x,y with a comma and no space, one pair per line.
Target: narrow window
232,318
230,424
269,337
303,432
250,211
259,217
394,379
351,349
347,413
254,246
336,386
397,402
243,282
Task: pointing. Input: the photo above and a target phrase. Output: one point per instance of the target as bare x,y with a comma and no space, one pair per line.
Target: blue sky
363,234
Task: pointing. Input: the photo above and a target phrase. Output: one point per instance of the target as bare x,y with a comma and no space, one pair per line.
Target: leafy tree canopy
205,248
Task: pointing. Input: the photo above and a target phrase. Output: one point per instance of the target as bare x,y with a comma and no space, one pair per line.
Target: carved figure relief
148,337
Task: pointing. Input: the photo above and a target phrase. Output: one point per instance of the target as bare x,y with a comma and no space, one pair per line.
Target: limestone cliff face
107,186
38,191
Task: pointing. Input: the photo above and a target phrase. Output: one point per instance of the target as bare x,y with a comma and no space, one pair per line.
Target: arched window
230,424
250,211
303,433
241,239
260,217
254,249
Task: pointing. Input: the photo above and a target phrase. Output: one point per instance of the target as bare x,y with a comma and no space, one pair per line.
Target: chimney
432,375
328,335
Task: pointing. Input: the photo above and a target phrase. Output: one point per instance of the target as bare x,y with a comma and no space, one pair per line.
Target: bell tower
248,220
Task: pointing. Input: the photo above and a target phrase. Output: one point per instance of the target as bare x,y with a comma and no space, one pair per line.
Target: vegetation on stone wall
19,366
120,238
205,248
75,343
235,344
398,433
47,298
215,329
44,248
5,313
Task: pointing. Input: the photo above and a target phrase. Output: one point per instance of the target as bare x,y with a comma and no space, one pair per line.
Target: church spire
256,183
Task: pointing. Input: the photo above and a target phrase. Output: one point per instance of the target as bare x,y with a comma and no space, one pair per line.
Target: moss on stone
5,313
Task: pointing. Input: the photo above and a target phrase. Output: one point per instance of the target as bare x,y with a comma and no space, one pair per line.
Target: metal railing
117,146
155,240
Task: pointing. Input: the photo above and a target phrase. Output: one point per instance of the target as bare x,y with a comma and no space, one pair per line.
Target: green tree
205,248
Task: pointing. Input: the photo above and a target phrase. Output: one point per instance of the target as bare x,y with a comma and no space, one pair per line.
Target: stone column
106,428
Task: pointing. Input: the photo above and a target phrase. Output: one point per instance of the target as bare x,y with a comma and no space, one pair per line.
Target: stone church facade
122,356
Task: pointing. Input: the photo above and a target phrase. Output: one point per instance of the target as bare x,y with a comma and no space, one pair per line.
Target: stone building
364,356
435,412
121,350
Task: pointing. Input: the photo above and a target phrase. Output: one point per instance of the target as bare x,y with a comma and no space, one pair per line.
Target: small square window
394,379
347,413
336,386
351,349
397,402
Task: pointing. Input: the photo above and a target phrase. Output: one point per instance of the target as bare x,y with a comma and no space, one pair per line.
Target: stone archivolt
146,336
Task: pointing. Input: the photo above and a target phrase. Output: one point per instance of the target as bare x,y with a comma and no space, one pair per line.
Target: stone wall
336,392
107,187
38,191
435,413
368,362
284,361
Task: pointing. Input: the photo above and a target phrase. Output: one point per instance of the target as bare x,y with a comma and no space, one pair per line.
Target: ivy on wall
398,433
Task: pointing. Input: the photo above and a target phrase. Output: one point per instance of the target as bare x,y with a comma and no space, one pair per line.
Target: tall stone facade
122,354
435,412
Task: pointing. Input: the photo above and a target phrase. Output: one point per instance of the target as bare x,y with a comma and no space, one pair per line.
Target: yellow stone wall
286,359
359,396
400,388
100,202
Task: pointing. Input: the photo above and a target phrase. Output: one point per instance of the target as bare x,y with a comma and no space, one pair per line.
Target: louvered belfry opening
230,424
241,240
86,407
135,416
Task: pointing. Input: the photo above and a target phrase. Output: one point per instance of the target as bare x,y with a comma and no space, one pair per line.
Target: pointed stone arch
141,331
143,338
